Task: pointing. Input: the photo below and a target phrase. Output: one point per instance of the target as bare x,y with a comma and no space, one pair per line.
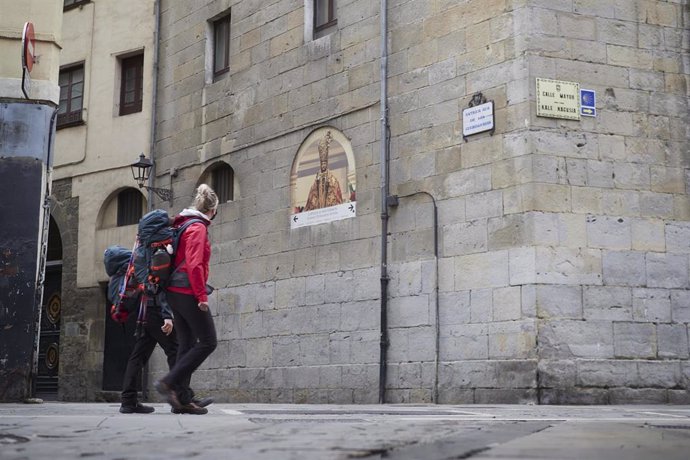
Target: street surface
280,431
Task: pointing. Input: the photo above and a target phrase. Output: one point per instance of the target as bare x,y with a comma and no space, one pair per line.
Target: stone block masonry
564,262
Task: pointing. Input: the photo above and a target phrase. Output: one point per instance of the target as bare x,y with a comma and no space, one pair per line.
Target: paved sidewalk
427,432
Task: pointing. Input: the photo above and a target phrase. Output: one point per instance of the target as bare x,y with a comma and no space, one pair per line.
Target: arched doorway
51,316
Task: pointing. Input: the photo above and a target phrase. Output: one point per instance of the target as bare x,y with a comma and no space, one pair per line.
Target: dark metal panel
25,145
20,191
25,130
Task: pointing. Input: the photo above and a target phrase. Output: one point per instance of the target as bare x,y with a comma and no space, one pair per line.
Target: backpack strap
180,230
178,278
128,274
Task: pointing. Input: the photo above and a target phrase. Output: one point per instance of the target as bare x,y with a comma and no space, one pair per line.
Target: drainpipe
154,95
384,200
154,101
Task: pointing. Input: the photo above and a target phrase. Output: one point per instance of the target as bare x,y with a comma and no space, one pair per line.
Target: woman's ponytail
205,199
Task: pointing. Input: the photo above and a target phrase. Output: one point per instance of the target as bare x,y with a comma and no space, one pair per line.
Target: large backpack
123,290
157,242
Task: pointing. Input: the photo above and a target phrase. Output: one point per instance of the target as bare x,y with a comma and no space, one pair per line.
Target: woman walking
187,295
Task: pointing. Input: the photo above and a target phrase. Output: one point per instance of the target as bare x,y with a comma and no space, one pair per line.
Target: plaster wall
97,154
46,17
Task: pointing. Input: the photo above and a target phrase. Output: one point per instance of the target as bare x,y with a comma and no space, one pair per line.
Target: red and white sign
28,46
28,55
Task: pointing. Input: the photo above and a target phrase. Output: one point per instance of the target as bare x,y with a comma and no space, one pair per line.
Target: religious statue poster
323,179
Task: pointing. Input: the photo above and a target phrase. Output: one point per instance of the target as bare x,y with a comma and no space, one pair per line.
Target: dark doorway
49,341
51,319
119,342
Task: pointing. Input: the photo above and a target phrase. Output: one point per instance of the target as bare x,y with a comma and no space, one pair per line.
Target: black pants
196,335
143,349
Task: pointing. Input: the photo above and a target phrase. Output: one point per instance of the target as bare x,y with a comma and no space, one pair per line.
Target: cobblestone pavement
428,432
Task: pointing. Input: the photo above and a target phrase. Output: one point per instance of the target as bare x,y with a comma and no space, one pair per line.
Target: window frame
332,20
74,4
225,20
136,62
71,117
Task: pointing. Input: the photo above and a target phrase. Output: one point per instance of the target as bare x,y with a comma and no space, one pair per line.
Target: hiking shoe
138,409
199,402
166,391
191,408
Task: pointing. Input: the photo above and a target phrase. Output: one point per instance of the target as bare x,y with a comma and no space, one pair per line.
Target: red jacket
192,257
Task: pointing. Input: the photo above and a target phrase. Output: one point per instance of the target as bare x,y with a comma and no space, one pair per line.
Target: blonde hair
205,199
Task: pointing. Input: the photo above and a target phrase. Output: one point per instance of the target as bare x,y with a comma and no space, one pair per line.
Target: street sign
558,99
478,119
28,46
28,57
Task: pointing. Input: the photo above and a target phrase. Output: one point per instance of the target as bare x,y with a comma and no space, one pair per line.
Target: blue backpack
123,291
142,273
157,242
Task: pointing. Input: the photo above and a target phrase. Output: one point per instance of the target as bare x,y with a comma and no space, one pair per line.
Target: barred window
222,179
129,207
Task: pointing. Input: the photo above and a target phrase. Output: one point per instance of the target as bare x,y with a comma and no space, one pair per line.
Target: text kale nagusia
559,96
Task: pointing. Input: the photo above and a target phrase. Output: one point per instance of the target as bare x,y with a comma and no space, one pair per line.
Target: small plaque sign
558,99
478,119
323,215
588,103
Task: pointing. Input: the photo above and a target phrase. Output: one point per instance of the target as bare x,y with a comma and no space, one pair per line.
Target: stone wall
73,383
611,257
563,267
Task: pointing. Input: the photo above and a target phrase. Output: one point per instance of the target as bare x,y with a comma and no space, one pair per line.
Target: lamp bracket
163,193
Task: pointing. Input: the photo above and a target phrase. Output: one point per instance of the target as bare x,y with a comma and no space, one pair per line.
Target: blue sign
588,103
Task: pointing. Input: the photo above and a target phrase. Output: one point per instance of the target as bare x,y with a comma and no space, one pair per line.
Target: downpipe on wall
392,201
384,163
152,149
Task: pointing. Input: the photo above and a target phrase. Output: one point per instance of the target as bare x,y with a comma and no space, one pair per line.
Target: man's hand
203,306
167,326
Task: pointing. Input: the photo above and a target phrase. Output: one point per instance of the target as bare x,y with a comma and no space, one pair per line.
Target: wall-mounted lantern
140,172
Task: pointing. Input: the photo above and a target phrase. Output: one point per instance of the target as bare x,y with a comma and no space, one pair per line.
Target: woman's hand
203,306
167,326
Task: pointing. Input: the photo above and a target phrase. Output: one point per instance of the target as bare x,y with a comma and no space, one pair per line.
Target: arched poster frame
323,193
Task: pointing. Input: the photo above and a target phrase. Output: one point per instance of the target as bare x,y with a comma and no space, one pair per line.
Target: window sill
129,112
75,5
70,124
220,75
325,29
